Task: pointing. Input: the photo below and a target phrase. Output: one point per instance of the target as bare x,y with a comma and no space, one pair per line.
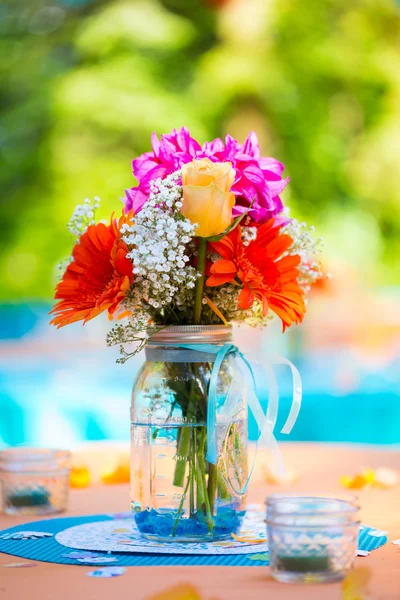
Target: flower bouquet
203,241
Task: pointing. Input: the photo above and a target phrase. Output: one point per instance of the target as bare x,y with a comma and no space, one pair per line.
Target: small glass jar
311,538
34,481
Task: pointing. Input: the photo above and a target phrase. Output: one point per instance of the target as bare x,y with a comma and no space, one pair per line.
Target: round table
319,467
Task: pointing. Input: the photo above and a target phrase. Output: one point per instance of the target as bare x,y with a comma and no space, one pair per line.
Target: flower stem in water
180,508
209,519
182,453
183,449
192,475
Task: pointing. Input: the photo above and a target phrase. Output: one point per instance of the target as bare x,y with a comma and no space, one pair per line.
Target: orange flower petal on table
99,276
184,591
79,477
265,274
359,481
383,478
355,586
353,483
246,539
121,474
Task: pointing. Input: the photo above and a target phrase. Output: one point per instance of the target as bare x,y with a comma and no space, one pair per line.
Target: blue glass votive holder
34,481
311,538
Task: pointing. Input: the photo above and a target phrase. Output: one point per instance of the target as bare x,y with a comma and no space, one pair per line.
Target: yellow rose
207,199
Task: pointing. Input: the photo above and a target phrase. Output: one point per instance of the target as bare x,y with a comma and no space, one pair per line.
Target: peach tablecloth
319,467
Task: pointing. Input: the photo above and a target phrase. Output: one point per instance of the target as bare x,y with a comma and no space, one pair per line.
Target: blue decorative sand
161,524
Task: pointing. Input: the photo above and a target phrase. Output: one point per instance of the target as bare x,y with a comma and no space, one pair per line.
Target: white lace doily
121,535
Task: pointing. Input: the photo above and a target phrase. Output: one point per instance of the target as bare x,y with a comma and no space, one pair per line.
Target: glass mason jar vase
176,494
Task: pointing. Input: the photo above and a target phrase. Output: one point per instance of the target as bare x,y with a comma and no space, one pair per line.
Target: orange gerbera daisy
263,271
99,276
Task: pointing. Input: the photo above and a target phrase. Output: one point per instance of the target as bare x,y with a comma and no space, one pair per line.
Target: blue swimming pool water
60,389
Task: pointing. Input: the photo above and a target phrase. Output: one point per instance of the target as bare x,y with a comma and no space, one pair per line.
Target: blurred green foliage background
84,83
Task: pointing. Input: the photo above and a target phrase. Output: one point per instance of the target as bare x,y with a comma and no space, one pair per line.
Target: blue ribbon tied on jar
219,415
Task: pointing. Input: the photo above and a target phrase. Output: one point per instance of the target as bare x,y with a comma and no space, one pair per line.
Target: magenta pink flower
168,155
258,179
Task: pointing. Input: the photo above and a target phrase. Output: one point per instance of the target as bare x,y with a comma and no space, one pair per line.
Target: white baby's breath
159,240
308,249
249,234
83,216
62,266
160,243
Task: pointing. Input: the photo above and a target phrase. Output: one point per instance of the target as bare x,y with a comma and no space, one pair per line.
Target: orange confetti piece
79,477
369,476
382,478
355,585
248,539
180,592
357,482
121,474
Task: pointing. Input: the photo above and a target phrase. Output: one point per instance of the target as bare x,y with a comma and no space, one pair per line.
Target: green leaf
235,223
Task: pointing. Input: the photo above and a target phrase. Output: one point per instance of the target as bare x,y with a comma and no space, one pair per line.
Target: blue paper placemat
49,550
